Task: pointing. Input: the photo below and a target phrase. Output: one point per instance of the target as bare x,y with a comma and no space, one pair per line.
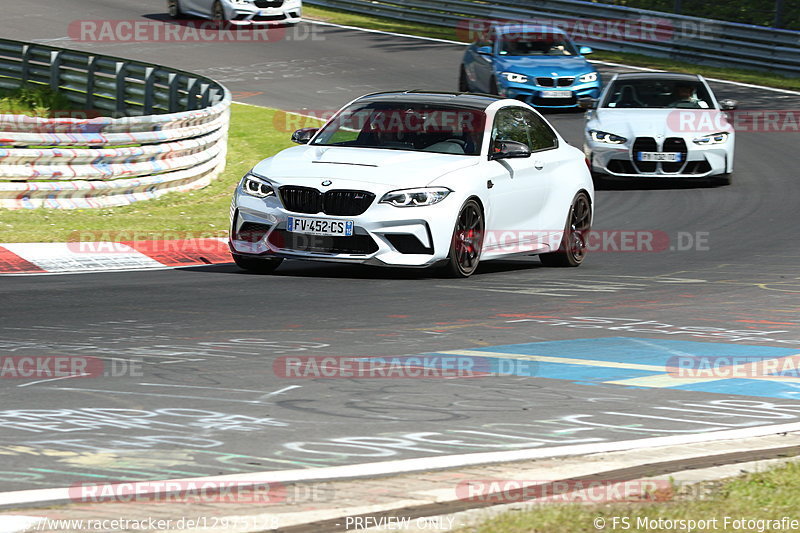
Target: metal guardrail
169,134
692,39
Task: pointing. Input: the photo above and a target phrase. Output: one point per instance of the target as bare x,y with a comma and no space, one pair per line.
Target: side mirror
728,104
585,50
587,102
304,135
484,50
509,150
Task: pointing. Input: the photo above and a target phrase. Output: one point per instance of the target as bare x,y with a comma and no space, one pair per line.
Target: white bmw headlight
415,197
605,137
588,78
257,186
515,78
714,138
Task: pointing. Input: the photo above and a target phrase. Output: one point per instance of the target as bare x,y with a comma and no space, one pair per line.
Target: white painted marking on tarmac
197,386
606,63
52,379
403,466
290,387
19,523
159,395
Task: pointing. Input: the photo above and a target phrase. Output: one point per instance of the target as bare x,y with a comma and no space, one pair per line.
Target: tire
493,89
256,265
218,13
465,246
463,82
174,8
572,251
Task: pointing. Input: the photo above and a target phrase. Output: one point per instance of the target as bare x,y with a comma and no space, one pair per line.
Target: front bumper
530,93
252,15
384,235
618,160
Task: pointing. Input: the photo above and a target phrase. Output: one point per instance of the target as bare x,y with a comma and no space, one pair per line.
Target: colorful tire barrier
167,130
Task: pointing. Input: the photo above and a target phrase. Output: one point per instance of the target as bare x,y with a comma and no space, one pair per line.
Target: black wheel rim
580,221
219,13
173,8
468,238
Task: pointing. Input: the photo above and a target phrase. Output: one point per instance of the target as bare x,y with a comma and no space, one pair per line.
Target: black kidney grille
269,3
337,202
347,203
546,82
302,199
644,144
675,144
565,82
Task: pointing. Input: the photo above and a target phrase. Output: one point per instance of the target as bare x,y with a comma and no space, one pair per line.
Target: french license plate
556,94
320,226
660,156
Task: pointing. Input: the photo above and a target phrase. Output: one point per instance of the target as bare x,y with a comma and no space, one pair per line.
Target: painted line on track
366,470
714,367
606,63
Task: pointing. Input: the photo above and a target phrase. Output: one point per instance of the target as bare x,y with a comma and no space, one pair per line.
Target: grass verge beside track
439,32
202,213
763,497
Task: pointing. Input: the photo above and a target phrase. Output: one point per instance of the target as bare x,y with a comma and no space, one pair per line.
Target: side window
542,136
510,125
486,38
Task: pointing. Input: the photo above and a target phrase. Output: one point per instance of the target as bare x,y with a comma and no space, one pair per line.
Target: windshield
535,45
402,126
658,94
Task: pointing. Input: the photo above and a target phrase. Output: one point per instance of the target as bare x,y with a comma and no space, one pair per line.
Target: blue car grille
555,82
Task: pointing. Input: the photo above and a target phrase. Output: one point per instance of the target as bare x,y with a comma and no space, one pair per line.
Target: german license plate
556,94
320,226
674,157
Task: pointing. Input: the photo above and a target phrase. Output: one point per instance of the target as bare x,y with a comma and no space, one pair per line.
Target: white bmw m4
417,179
659,125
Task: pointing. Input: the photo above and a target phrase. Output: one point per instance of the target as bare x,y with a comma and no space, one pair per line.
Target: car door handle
538,165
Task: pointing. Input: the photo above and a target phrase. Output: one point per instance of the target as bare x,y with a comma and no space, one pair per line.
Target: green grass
439,32
253,136
769,495
33,101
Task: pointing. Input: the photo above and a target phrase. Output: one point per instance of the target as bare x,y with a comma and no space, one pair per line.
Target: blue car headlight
588,78
514,77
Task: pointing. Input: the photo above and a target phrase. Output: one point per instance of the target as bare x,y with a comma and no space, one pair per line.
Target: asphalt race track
199,394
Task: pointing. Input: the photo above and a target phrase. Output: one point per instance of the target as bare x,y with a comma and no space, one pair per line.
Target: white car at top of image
416,179
239,12
661,125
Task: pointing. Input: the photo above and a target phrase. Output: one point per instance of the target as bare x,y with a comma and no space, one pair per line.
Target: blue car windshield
406,126
532,45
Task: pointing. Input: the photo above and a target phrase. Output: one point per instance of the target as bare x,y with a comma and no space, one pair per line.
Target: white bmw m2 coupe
417,179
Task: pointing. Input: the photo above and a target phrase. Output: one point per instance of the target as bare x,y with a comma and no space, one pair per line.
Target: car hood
367,165
544,65
630,123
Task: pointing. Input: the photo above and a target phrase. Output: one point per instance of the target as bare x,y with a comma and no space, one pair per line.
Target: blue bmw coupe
539,65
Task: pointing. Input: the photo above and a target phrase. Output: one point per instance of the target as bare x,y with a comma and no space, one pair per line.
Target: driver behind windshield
532,46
